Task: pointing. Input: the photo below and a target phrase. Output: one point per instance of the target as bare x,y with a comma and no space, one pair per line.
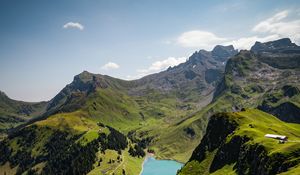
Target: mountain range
98,123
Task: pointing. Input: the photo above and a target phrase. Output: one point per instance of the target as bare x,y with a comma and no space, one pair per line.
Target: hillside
266,79
13,113
239,146
249,82
252,80
85,112
69,143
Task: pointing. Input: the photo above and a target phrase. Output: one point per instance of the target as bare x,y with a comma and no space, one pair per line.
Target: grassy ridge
253,124
79,129
13,112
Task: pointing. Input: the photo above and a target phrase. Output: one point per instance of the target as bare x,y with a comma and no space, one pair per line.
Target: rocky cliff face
230,141
286,111
199,74
283,45
282,54
214,137
266,77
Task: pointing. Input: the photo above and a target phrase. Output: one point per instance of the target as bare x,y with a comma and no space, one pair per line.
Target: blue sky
44,43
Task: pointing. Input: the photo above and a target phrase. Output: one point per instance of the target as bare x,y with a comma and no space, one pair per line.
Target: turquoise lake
160,167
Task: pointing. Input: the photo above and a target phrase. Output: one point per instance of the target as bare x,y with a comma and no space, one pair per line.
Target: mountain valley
210,112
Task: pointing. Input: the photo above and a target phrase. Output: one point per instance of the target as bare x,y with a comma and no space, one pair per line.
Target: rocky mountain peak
2,93
222,53
219,53
87,79
75,92
84,76
197,56
281,44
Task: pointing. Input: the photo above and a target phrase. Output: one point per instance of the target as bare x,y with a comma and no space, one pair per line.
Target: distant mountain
13,113
268,79
282,54
198,74
195,78
283,45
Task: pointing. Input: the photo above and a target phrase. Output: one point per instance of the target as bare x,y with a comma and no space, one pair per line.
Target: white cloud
280,25
110,65
248,42
266,25
161,65
157,66
207,40
199,39
74,25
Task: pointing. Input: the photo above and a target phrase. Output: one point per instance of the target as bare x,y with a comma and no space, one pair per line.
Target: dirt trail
118,165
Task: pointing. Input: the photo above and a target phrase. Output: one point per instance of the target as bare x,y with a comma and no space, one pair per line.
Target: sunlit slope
50,146
235,143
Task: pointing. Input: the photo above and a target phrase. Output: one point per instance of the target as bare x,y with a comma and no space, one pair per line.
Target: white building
278,137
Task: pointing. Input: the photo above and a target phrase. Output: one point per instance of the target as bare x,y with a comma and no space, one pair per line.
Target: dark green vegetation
238,146
47,148
167,112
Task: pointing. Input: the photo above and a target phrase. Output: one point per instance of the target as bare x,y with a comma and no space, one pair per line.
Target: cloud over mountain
110,65
199,39
283,24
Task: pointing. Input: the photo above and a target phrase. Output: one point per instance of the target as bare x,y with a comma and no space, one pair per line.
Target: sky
45,43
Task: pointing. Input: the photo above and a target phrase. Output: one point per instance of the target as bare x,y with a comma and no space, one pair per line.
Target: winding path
118,165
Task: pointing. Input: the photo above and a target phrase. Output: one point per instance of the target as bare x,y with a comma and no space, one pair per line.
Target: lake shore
147,156
172,163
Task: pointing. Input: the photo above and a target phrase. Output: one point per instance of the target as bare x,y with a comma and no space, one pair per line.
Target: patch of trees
143,143
114,140
61,152
23,157
5,152
65,156
136,151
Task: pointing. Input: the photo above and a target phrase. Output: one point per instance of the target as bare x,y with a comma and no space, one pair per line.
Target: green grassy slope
13,113
38,147
113,107
230,156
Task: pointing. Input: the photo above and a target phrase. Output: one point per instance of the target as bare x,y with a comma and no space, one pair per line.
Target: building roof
274,136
